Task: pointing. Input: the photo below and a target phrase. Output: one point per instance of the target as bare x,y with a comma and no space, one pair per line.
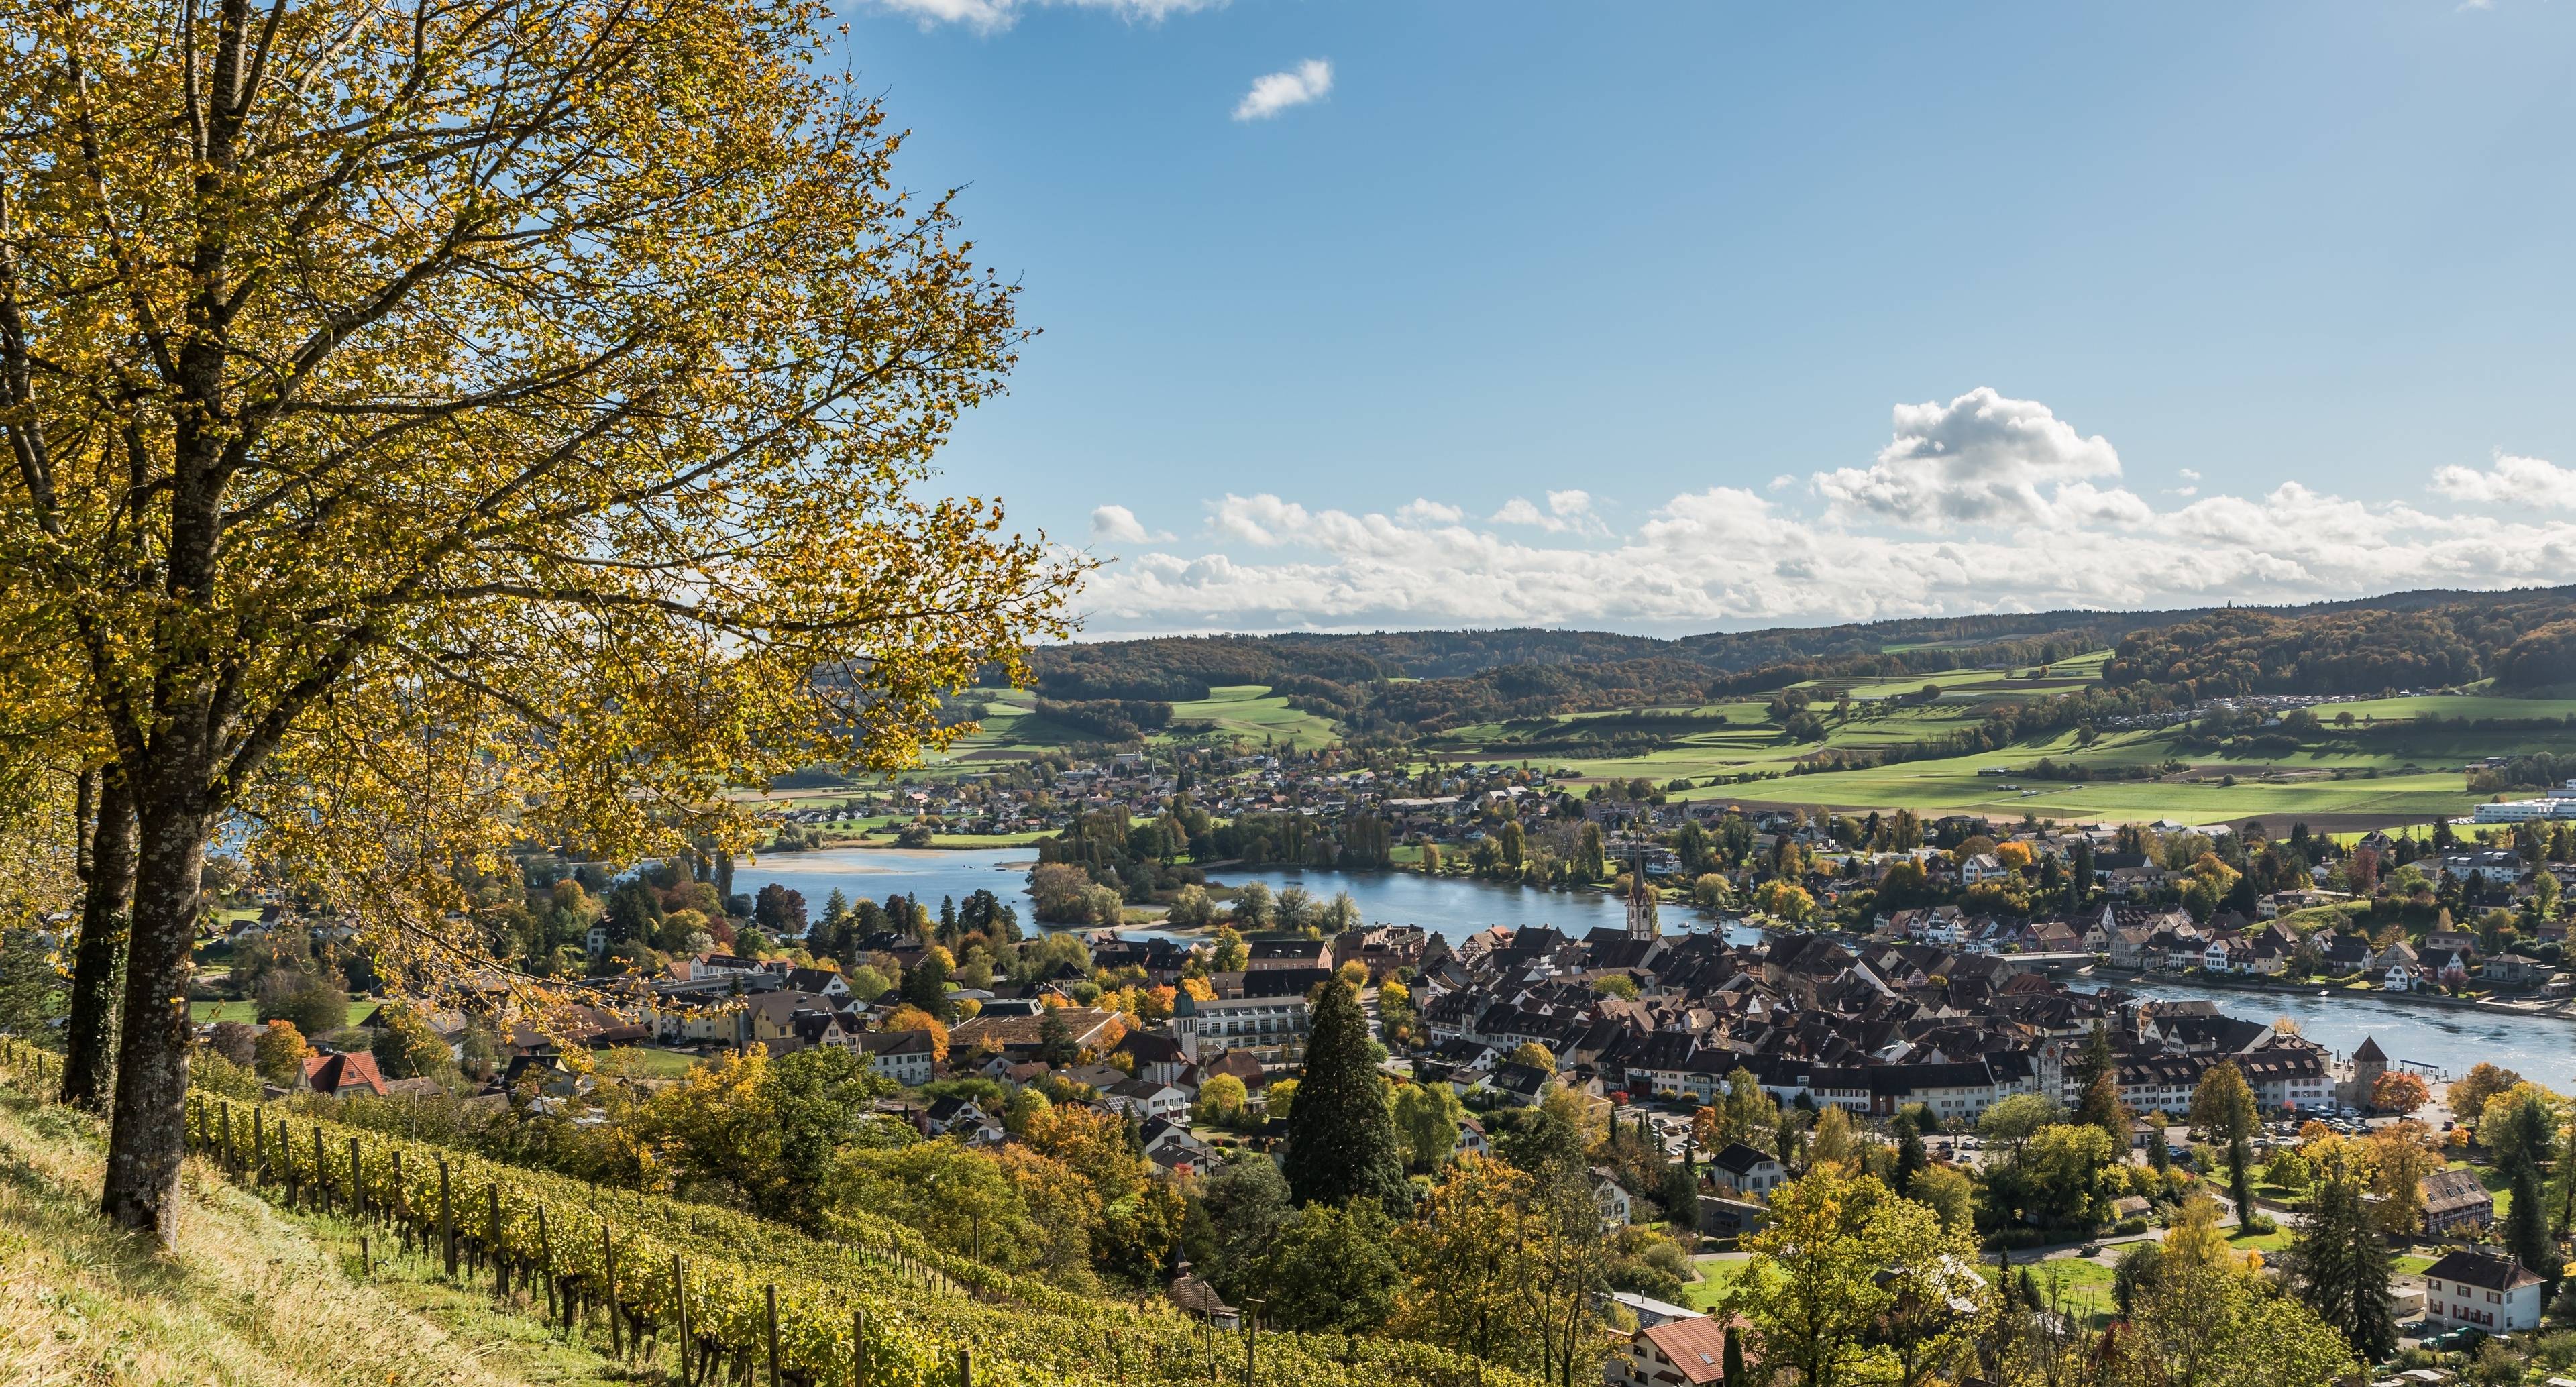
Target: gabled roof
2468,1266
1697,1346
1739,1158
333,1073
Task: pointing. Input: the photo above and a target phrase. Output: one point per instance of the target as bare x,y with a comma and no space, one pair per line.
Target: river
2539,1048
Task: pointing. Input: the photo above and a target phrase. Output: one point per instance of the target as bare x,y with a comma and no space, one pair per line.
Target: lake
1448,907
2541,1049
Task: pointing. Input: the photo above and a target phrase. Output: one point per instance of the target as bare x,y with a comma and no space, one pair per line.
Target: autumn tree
2468,1097
1848,1282
430,426
2399,1092
2224,1106
279,1053
1426,1122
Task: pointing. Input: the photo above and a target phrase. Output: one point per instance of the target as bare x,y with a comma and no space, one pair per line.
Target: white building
2472,1288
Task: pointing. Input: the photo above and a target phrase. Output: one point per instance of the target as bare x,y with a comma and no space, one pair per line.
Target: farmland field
2375,761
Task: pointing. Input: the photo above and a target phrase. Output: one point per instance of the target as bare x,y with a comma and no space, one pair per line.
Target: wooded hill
1409,683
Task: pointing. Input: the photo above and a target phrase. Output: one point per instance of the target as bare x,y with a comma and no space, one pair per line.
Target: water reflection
2539,1048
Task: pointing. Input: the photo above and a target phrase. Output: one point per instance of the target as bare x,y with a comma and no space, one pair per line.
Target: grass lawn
2079,1285
640,1062
1717,1274
208,1013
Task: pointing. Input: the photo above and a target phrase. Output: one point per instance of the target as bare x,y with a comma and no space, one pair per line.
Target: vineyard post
770,1299
546,1257
226,1159
259,1146
366,1257
357,1184
680,1313
402,1202
1251,1338
858,1348
446,1218
965,1367
321,1171
608,1254
492,1237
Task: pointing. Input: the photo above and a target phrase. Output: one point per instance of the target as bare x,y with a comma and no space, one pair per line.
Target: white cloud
2514,480
1119,525
2048,534
1981,459
1307,81
994,15
1568,512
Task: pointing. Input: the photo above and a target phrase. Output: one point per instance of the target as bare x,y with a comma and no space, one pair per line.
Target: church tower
1641,900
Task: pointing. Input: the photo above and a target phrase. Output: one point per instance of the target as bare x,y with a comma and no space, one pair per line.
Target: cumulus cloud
994,15
1119,525
1981,459
1568,512
2515,480
2051,535
1306,82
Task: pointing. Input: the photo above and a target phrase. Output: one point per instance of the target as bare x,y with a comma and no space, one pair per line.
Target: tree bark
144,1149
98,967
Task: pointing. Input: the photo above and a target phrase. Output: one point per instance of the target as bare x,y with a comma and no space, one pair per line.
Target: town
1939,1005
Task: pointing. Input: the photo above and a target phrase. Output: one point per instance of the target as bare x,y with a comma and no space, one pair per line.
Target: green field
1012,728
2390,763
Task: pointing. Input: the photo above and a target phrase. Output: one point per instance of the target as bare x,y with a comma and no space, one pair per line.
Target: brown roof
2447,1190
1696,1345
334,1074
2478,1267
1082,1024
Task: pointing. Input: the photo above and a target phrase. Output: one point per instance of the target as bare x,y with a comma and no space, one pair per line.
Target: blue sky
1674,316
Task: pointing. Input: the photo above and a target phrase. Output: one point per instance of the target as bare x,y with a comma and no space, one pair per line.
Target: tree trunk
144,1149
98,968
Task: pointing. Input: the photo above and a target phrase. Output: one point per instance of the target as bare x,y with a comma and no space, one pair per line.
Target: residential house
1679,1353
338,1076
2454,1198
1747,1169
1611,1198
2473,1288
1147,1099
907,1057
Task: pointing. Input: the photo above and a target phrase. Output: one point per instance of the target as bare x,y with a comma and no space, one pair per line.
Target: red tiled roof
333,1074
1697,1346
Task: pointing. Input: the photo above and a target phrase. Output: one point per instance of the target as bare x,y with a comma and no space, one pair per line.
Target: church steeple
1641,898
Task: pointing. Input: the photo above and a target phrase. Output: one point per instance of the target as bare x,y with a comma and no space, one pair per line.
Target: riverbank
2263,986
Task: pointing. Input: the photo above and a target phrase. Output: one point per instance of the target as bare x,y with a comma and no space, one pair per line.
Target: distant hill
1402,683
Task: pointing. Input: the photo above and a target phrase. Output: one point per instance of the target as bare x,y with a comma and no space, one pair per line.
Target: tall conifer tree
1341,1136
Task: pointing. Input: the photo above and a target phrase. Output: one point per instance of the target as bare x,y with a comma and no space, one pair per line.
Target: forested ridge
1413,683
2522,639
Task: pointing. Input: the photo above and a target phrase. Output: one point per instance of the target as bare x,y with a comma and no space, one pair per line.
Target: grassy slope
2400,776
252,1297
